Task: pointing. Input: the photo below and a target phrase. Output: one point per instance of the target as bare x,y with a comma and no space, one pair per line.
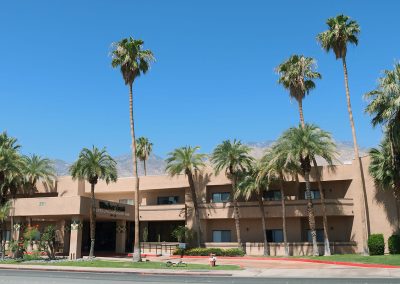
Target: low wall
295,249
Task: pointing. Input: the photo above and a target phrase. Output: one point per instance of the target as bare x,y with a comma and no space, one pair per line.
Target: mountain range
156,164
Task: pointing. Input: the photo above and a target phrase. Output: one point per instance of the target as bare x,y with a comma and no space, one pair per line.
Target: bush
376,244
34,255
394,244
208,251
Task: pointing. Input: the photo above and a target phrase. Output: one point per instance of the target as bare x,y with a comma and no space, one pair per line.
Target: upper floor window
315,194
272,195
320,235
126,201
221,236
167,200
221,197
275,236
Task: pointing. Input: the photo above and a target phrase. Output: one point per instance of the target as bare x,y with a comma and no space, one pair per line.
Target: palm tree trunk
327,249
311,214
364,206
136,245
144,167
195,206
283,204
2,243
300,102
264,225
92,221
236,213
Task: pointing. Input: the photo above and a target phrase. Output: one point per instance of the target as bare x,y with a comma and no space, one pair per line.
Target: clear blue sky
214,76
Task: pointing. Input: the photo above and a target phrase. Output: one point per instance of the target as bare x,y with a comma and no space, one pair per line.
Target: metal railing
158,248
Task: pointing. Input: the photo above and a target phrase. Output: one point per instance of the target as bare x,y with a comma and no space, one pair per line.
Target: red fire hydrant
212,260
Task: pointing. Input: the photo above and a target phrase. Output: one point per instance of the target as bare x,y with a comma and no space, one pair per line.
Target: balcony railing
294,208
162,212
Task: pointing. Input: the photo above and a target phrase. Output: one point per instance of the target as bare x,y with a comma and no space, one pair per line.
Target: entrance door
104,239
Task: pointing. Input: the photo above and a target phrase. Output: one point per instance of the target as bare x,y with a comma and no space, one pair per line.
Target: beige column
18,228
75,243
120,238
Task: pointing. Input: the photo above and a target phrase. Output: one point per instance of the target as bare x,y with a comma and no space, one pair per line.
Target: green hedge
376,244
394,244
208,251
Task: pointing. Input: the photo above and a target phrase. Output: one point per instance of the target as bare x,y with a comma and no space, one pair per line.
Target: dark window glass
167,200
275,236
220,197
320,235
315,194
272,195
221,236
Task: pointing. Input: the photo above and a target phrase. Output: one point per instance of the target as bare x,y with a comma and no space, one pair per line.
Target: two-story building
165,203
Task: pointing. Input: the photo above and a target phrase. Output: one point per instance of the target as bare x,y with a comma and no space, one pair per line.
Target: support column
120,238
75,243
18,228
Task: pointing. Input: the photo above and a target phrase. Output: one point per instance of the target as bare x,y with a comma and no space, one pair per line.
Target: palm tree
94,165
341,32
250,183
296,75
186,160
38,169
133,61
144,148
273,165
4,213
384,106
234,158
304,144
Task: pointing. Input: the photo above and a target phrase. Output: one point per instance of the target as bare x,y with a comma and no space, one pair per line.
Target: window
272,195
162,200
320,235
126,201
6,235
221,236
314,194
220,197
275,236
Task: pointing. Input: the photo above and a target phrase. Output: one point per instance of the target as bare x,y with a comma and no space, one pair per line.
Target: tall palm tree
38,169
341,32
304,144
296,75
384,106
186,160
250,183
94,165
234,158
133,61
4,213
144,148
273,166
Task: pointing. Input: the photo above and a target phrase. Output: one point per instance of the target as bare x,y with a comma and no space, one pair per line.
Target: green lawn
375,259
129,264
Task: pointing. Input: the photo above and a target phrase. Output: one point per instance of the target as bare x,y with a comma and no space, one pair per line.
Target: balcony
168,212
294,208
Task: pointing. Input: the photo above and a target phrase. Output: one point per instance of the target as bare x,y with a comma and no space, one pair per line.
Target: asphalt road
32,277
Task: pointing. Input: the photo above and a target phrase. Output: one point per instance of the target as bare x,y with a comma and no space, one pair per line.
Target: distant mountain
156,164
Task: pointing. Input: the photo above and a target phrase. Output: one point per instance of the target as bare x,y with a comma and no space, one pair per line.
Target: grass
373,259
128,264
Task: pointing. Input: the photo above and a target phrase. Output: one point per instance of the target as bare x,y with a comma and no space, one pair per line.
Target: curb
344,263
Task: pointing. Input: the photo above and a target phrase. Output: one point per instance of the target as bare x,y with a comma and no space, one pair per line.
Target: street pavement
60,277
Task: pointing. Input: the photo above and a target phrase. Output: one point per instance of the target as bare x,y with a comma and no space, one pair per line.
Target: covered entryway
105,237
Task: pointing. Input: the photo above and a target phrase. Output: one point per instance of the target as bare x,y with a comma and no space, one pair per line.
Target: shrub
394,244
208,251
47,241
34,255
376,244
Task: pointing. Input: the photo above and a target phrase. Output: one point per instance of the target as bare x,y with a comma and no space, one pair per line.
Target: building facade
165,203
